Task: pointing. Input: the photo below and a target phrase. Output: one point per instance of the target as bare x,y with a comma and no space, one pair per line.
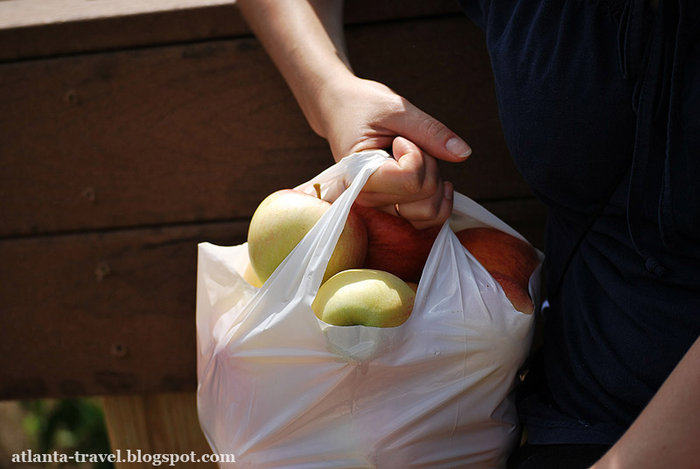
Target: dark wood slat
114,312
203,132
144,137
28,29
368,11
148,27
109,313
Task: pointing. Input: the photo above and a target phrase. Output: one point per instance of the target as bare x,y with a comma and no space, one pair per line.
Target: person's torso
600,106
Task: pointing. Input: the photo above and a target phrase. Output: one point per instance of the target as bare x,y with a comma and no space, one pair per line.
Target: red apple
509,260
284,218
518,294
394,245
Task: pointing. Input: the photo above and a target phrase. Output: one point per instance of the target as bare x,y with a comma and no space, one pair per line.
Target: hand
409,186
355,114
305,41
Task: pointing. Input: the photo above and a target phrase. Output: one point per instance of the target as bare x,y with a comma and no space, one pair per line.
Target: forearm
666,433
305,41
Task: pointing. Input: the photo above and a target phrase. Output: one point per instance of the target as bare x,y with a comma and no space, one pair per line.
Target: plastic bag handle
299,276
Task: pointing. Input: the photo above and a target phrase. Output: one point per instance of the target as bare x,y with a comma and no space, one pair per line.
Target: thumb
432,135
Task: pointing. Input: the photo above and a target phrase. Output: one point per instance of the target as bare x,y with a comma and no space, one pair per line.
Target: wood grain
102,313
31,29
202,132
156,424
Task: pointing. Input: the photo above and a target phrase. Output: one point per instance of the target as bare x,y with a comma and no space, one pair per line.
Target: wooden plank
51,27
23,13
156,424
202,132
369,11
114,312
90,29
102,313
150,136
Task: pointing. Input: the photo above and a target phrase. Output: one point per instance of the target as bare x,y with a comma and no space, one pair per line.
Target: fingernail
458,147
448,190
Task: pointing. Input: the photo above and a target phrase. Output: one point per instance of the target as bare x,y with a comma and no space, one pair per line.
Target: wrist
323,95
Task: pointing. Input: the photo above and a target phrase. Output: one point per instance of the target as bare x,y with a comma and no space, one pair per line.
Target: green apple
284,218
366,297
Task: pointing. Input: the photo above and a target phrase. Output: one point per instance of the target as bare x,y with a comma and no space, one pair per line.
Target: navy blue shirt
600,106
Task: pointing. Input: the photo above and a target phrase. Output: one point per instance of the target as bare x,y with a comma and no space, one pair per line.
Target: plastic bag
278,388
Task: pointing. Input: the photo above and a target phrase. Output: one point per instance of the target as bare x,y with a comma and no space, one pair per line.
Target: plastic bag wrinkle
280,388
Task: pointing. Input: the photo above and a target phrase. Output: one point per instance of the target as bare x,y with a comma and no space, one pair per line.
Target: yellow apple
251,277
365,297
284,218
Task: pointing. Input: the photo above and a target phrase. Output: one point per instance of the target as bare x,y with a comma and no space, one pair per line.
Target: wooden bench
130,131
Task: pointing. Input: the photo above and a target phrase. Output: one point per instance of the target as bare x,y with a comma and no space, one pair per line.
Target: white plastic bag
279,388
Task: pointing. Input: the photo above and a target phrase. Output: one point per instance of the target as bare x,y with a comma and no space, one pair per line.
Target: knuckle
428,211
413,183
432,127
394,106
431,213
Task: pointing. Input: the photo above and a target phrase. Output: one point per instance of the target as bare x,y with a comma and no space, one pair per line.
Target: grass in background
65,426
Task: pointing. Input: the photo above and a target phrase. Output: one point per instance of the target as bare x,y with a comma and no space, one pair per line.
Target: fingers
373,116
431,135
410,176
412,182
428,212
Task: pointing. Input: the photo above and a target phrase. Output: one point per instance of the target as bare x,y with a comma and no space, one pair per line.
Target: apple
251,277
366,297
284,218
508,259
517,294
394,245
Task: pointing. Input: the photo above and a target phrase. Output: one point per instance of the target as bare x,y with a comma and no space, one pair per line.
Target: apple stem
317,186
